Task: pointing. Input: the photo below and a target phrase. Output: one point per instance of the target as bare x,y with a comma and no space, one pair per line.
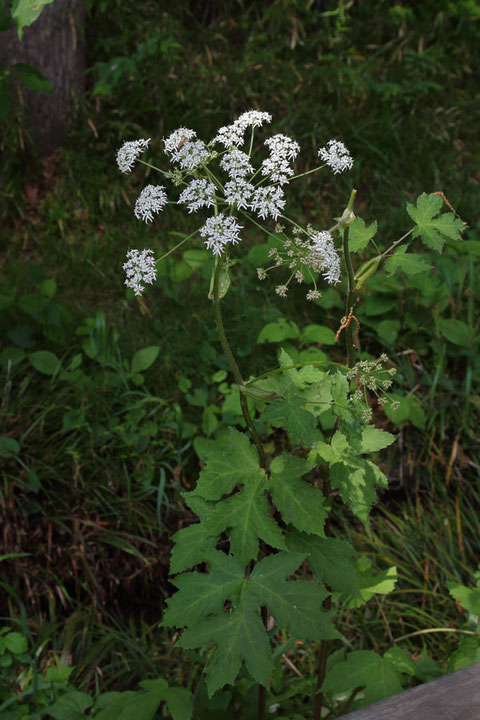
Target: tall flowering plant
275,513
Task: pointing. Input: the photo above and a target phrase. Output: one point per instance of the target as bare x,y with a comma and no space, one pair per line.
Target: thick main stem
324,644
233,363
248,419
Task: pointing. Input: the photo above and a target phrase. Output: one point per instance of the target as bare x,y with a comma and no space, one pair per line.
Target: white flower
322,255
176,138
313,295
140,267
238,192
230,135
336,156
278,169
282,147
129,152
152,199
281,290
268,201
181,149
219,231
199,193
252,118
236,163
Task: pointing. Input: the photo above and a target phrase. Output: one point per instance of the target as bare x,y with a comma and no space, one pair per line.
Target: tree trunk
55,45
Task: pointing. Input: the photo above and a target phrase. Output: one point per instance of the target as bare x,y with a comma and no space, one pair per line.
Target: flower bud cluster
316,253
365,373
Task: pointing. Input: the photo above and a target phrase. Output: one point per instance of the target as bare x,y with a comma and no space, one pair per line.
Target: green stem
351,289
233,363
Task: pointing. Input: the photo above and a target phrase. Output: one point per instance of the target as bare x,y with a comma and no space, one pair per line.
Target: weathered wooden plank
451,697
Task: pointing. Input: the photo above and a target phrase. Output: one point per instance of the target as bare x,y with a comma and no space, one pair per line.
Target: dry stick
248,419
345,323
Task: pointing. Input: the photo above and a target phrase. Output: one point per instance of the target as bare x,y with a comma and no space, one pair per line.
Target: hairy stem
248,419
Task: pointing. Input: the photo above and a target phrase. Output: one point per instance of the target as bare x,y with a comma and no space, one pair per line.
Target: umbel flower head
219,231
129,152
336,156
198,193
139,268
152,199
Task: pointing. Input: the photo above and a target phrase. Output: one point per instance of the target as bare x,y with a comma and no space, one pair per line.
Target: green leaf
354,476
247,515
25,12
360,234
409,263
196,257
409,409
299,503
469,598
141,704
235,462
202,594
279,331
180,703
191,544
210,420
401,659
16,643
238,638
364,667
467,653
71,706
388,330
288,414
374,439
317,334
295,605
144,358
331,560
433,230
8,447
32,77
45,362
239,634
456,332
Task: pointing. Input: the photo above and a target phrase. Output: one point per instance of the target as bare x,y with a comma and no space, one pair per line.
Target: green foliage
434,230
25,12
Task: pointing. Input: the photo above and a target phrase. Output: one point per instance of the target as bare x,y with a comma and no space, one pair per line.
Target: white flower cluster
282,150
183,150
238,192
233,134
336,156
268,201
199,193
152,199
129,152
139,268
175,139
322,255
236,163
219,231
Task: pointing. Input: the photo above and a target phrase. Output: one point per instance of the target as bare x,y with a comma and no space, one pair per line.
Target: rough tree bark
55,45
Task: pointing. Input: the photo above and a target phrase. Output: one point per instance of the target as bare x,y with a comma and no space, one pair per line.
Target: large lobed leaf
239,634
433,230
